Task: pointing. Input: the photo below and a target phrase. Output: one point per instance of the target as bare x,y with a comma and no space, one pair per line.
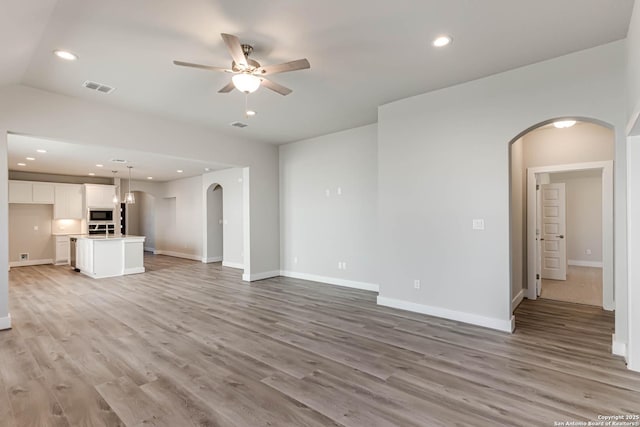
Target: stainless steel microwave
100,215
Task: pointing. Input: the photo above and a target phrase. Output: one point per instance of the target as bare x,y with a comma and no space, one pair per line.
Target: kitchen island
101,256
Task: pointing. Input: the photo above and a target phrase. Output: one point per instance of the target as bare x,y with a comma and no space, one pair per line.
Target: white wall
584,215
5,320
443,160
633,347
23,236
319,227
518,223
215,227
232,183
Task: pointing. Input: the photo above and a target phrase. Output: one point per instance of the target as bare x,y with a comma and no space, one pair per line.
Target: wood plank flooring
190,344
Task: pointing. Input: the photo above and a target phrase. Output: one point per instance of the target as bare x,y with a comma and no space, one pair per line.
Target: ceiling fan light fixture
245,82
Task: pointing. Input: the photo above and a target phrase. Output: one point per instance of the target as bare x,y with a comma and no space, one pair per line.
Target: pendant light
116,198
129,198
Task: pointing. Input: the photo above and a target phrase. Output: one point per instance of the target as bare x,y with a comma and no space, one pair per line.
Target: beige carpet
583,286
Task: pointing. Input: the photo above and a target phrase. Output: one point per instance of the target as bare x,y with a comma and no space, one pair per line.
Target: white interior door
553,225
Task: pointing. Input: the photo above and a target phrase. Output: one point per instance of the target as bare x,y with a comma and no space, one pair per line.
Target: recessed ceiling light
99,165
41,151
22,164
179,171
251,113
207,169
563,124
91,174
65,54
442,41
30,158
149,177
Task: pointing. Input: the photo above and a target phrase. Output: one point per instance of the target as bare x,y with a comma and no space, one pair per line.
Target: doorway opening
561,222
215,224
141,218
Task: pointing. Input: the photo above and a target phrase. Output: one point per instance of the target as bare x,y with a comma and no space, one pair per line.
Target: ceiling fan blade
300,64
276,87
235,49
228,88
204,67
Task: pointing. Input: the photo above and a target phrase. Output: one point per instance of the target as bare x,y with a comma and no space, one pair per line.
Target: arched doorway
215,223
547,157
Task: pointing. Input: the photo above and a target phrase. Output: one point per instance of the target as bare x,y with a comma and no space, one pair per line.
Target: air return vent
239,125
99,87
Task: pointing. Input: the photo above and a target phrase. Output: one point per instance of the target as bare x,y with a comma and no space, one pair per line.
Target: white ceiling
363,53
63,158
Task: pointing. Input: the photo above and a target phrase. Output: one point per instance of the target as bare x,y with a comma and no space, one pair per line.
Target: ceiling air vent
239,125
119,161
99,87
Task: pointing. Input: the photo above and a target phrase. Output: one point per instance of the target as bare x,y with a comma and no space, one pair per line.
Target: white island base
102,256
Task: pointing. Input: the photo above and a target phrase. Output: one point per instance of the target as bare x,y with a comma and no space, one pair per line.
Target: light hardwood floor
190,344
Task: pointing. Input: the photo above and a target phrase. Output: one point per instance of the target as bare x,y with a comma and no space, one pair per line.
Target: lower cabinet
62,250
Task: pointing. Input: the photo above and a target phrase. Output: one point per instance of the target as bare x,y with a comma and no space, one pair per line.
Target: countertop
104,237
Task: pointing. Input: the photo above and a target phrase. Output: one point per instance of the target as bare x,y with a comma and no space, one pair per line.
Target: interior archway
587,145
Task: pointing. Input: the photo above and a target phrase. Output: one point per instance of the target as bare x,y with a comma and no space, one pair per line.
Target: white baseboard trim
332,281
135,270
517,300
212,259
445,313
30,262
5,322
260,276
619,348
230,264
579,263
178,255
148,249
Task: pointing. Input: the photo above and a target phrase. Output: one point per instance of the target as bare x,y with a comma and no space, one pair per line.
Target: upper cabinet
68,202
99,196
31,192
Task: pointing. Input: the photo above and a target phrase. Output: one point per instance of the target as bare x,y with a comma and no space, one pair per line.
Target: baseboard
178,255
260,276
473,319
579,263
619,348
147,249
30,262
5,322
135,270
332,281
517,300
212,259
230,264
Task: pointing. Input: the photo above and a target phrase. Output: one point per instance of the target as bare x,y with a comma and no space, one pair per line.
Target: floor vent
239,125
99,87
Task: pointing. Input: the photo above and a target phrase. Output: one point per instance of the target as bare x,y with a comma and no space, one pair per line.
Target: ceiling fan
248,74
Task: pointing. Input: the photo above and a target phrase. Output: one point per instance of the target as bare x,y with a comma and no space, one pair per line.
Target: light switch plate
478,224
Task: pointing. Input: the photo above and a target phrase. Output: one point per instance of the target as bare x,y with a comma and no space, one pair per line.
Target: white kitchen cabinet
43,192
31,192
62,250
99,196
68,202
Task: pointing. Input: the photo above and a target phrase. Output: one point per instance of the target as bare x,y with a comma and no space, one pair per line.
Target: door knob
561,236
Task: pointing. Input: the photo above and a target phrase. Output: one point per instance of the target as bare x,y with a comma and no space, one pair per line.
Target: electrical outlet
416,284
587,252
295,259
339,191
327,192
344,265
